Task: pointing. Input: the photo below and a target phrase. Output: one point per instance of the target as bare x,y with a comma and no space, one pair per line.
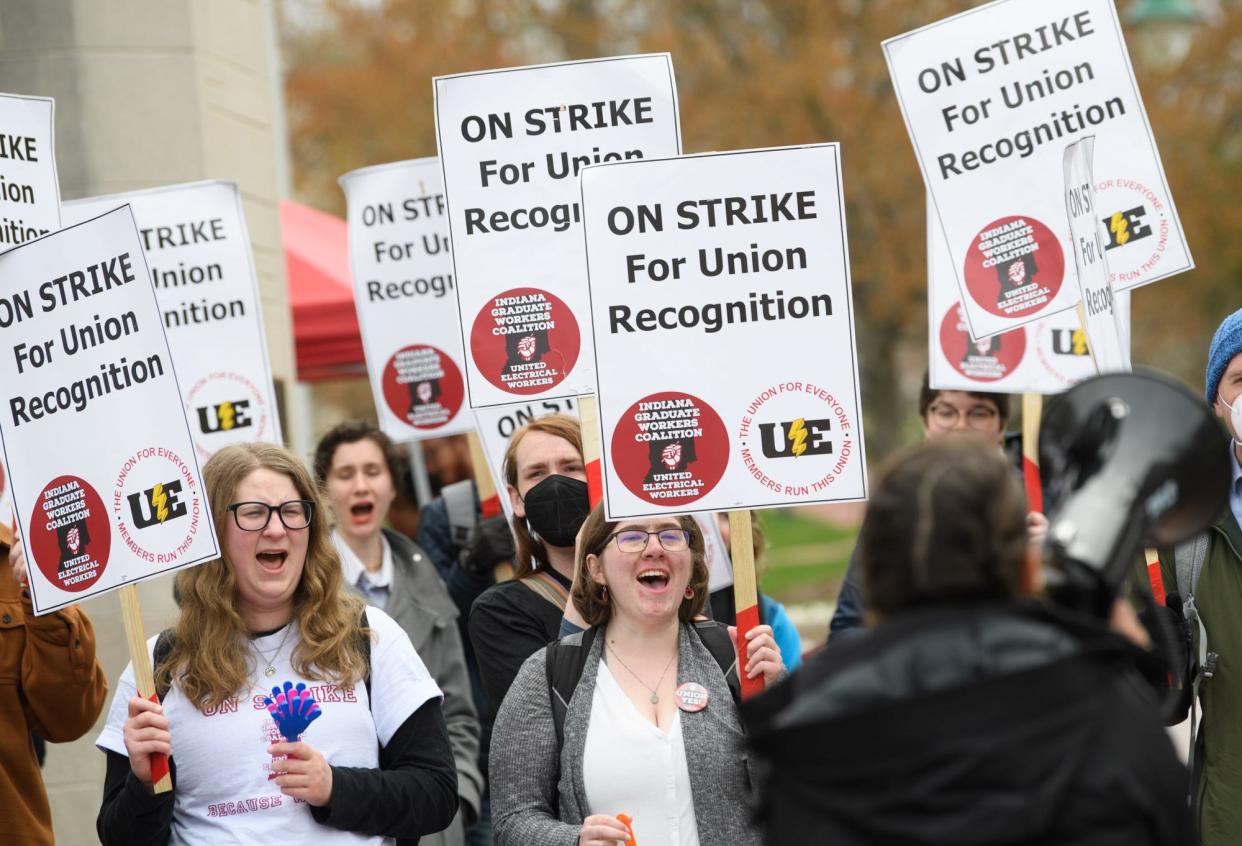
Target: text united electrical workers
711,262
1034,54
76,339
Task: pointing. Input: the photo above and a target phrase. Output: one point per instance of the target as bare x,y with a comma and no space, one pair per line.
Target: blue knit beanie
1226,343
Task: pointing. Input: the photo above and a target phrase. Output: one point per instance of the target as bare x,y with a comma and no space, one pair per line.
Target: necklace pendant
270,671
655,698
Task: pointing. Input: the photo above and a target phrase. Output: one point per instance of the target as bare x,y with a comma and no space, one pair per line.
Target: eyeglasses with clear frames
254,516
635,540
977,417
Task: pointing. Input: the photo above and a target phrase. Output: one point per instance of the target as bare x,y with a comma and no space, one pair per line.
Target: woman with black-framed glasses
646,740
293,710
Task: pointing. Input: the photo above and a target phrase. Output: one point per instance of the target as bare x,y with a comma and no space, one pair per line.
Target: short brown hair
946,523
588,594
928,395
529,549
350,432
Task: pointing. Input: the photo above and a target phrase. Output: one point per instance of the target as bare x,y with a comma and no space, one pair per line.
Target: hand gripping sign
738,260
511,145
195,238
403,291
990,98
104,476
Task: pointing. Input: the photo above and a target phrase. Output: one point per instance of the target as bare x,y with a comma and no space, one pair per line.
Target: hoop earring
689,592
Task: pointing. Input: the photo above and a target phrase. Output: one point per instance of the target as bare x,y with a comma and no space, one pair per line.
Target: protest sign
1098,309
724,332
990,98
195,239
103,473
496,425
511,145
1046,357
403,292
29,188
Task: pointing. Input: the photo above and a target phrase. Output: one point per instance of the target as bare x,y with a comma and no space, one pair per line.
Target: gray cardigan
539,799
420,604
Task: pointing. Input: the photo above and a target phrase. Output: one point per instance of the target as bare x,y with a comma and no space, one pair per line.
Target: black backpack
566,658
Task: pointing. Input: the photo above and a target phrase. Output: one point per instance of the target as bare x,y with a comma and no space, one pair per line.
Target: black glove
489,543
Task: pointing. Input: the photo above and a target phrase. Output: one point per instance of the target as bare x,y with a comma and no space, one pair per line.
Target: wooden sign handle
489,497
588,415
745,593
136,637
1032,411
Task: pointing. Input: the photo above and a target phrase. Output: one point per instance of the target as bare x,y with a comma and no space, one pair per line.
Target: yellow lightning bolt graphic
1120,228
159,500
797,436
1079,342
226,414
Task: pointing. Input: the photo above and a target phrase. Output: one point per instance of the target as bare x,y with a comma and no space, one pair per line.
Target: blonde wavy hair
211,657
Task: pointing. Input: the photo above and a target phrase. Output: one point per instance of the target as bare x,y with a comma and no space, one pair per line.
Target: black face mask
556,509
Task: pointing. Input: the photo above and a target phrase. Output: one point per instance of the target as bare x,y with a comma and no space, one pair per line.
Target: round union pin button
691,697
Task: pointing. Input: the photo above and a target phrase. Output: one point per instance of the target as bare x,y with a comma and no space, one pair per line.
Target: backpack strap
163,647
565,659
459,506
716,638
545,585
364,646
1189,558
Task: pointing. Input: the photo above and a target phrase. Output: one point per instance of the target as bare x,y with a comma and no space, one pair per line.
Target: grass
806,558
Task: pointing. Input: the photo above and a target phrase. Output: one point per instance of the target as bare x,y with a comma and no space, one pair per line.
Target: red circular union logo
1014,266
423,386
70,537
670,448
525,341
985,360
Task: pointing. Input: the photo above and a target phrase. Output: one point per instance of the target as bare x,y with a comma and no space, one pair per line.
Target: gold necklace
654,699
270,670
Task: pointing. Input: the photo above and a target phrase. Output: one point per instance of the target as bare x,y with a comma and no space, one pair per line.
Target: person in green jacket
1217,592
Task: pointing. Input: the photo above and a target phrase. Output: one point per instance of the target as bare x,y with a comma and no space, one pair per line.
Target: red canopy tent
326,338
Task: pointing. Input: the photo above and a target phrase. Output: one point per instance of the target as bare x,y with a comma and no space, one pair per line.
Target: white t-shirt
224,793
630,766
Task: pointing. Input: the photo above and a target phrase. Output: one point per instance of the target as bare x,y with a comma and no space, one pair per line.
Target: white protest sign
724,332
403,292
1045,357
511,144
203,274
1098,302
104,477
990,98
29,187
496,425
716,551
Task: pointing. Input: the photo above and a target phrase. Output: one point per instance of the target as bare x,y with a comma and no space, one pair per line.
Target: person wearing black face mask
545,478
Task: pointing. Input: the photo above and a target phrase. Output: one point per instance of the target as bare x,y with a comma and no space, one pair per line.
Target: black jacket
996,724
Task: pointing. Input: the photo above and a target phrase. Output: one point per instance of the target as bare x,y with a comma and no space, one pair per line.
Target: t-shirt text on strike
76,338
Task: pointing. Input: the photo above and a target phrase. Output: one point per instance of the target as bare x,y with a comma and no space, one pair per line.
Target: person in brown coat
51,685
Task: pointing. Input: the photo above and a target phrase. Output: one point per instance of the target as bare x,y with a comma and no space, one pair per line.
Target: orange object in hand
626,821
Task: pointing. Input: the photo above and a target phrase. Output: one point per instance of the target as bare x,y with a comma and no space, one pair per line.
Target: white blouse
630,766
